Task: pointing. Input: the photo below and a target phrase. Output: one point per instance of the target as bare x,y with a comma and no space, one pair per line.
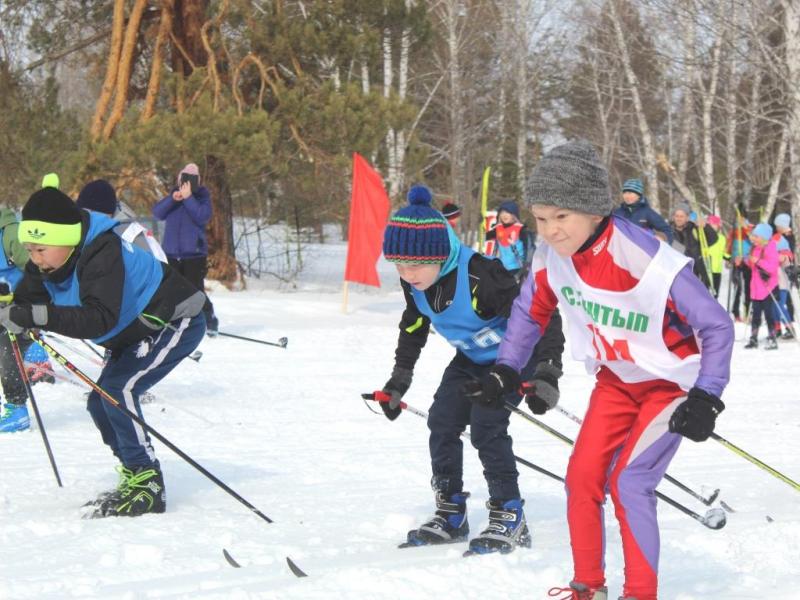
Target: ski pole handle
381,396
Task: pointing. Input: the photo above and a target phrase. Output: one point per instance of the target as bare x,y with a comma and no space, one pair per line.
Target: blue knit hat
417,233
783,220
510,207
633,185
763,230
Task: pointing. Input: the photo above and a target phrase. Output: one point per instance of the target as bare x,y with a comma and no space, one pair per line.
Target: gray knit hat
682,207
571,176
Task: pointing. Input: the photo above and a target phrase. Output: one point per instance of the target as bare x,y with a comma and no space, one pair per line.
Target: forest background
272,97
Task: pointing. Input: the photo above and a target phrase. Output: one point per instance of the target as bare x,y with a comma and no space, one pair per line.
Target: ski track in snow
288,431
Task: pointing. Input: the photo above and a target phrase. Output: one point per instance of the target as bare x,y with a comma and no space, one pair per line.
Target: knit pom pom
419,194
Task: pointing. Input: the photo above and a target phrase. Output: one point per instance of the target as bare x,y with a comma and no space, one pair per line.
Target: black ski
296,571
230,559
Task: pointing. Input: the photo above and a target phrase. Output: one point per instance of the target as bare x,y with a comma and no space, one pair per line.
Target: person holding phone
186,212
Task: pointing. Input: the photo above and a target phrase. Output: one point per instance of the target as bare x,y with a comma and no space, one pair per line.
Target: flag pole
344,296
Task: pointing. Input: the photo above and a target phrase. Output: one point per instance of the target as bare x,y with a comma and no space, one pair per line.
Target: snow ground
287,430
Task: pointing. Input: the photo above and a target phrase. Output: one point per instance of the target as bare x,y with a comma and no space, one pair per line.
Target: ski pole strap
749,457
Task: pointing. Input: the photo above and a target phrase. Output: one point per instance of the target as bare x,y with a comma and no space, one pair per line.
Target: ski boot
578,591
212,326
507,529
772,343
753,343
449,524
140,491
124,475
14,418
787,335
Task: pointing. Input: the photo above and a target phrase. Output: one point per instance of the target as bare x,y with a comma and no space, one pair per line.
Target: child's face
420,275
564,230
506,218
48,258
758,241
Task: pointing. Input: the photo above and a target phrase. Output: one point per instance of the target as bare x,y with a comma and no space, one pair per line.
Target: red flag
369,211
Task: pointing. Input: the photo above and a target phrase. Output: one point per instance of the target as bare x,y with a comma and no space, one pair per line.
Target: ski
230,559
296,571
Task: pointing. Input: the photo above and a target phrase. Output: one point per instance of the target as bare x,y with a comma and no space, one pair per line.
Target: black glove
763,274
695,417
491,389
396,387
541,392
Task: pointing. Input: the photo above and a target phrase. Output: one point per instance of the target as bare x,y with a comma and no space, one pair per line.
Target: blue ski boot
507,529
449,524
14,418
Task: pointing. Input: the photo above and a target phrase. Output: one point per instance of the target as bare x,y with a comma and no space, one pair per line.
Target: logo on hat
36,234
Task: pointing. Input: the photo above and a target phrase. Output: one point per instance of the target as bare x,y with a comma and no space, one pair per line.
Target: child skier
638,318
467,297
764,262
13,257
84,281
513,238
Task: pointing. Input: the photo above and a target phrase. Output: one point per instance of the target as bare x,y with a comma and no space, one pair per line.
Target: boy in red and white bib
657,341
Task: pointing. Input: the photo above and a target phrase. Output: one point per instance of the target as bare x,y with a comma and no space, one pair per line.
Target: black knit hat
50,217
99,196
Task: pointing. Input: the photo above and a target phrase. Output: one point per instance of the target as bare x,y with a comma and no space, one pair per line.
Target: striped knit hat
417,233
633,185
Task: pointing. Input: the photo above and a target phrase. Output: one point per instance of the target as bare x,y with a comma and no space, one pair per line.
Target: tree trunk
391,143
457,125
774,186
687,111
125,68
650,171
709,97
792,37
221,260
112,65
750,143
522,90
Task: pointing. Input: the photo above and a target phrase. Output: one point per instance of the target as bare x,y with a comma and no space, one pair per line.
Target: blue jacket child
640,212
467,297
84,281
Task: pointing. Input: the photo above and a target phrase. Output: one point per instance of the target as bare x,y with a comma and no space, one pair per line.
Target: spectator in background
783,226
512,237
739,247
100,196
715,253
635,208
687,240
452,213
187,211
765,263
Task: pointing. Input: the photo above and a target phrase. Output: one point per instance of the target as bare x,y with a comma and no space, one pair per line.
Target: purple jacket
184,232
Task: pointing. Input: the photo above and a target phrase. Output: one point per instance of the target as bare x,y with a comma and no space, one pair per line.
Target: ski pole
114,402
24,374
281,343
707,501
749,457
76,349
382,397
94,350
713,519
